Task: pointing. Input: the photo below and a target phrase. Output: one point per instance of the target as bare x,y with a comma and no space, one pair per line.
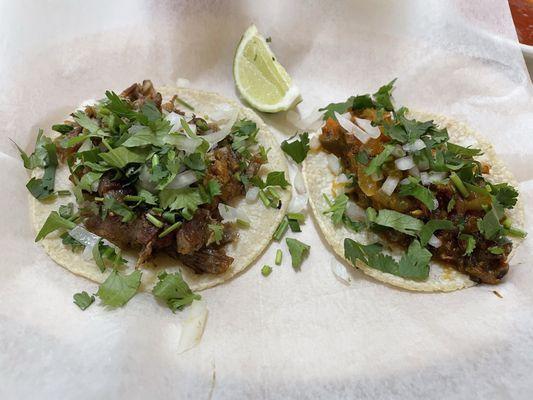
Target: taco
158,180
415,200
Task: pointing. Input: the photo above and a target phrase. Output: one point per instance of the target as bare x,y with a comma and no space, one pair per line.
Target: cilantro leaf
41,188
53,223
83,300
382,97
298,251
490,226
337,208
41,156
431,226
87,181
102,253
362,101
174,291
414,264
111,204
274,178
217,231
297,149
122,109
187,199
495,250
414,129
213,189
419,192
62,128
470,243
505,194
463,151
122,156
341,108
398,221
375,165
87,123
118,289
195,161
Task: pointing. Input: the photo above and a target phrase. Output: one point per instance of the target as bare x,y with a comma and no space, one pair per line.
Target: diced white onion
298,182
351,128
435,203
251,194
389,185
144,180
342,179
314,142
437,176
192,328
404,181
424,178
175,121
435,241
340,272
298,203
86,145
230,214
354,212
184,142
182,82
366,125
182,180
88,239
215,137
414,171
312,121
334,164
418,144
398,151
404,163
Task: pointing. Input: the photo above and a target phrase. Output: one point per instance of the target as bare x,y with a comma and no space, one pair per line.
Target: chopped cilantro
83,300
470,243
298,251
297,149
496,250
505,194
382,97
53,223
431,226
414,264
118,289
398,221
419,192
375,165
266,270
174,291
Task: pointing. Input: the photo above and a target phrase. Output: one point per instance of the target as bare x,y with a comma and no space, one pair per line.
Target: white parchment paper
293,334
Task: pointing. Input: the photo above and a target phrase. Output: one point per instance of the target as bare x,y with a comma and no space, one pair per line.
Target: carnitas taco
156,180
415,200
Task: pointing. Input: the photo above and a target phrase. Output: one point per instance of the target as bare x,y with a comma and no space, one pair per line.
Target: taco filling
419,192
153,176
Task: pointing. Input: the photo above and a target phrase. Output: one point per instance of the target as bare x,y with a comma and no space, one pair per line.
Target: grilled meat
209,260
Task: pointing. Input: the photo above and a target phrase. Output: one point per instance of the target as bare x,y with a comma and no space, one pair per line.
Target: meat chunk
138,94
208,260
223,168
113,188
194,234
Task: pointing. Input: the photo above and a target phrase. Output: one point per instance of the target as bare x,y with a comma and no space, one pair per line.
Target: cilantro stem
296,216
458,183
170,229
280,231
264,198
517,232
154,221
187,128
279,256
242,223
63,192
184,103
130,197
507,223
99,199
104,142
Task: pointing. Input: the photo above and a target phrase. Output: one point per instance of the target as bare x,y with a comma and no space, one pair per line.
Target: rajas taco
154,180
415,200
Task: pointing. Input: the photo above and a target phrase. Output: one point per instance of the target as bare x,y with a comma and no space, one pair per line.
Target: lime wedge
260,79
